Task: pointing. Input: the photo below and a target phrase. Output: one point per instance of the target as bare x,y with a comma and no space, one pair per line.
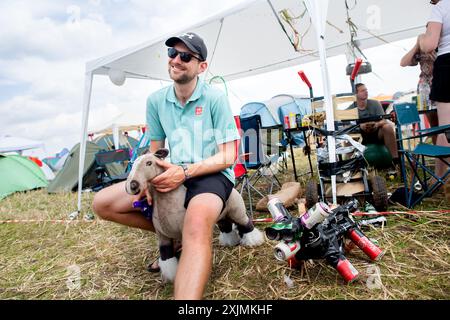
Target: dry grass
35,259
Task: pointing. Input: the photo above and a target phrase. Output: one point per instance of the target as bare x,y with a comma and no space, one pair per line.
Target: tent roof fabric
19,173
235,35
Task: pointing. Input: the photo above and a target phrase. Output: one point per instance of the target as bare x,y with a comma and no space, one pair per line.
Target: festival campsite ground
101,260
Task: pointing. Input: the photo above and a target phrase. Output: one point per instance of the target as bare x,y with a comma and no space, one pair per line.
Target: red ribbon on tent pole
304,78
356,69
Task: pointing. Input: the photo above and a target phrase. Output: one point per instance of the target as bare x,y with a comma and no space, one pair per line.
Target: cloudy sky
45,44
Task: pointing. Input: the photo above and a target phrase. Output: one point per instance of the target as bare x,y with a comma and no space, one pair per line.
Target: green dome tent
67,178
19,173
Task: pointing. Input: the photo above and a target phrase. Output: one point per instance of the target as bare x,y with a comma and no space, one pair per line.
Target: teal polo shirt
195,130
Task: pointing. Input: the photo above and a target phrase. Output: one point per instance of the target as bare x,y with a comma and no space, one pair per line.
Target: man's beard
185,78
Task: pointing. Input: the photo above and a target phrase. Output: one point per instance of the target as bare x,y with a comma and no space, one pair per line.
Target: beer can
315,215
277,210
369,248
286,250
286,122
347,270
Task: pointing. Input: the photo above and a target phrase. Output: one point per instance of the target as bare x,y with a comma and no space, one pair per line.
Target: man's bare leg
387,134
196,260
115,204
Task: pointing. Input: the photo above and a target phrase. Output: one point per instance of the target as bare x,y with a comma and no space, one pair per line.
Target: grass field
102,260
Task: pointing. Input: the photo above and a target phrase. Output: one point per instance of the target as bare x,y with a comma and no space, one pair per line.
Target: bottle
292,122
286,122
298,120
423,98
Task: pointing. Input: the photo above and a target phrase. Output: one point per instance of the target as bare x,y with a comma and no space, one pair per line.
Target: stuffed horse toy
169,212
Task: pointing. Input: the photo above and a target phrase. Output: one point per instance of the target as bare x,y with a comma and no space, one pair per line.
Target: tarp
106,142
67,178
260,36
18,144
19,173
52,162
49,175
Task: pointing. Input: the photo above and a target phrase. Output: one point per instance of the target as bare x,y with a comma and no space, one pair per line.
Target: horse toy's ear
161,153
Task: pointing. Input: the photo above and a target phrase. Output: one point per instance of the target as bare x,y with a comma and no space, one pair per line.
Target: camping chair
255,156
102,159
418,152
274,145
241,172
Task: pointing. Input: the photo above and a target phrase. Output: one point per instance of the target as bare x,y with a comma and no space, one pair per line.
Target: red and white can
347,270
369,248
284,251
287,122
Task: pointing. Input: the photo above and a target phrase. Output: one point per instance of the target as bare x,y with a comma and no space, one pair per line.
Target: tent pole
214,50
318,10
84,120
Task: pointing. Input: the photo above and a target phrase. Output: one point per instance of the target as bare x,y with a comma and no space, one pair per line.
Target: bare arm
430,40
174,175
156,144
224,158
408,59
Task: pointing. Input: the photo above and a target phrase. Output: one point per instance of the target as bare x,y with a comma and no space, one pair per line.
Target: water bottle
423,99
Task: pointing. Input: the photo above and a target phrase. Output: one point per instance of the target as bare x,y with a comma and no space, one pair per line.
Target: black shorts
215,183
440,86
371,138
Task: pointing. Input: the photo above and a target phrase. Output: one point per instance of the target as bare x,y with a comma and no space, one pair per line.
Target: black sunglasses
184,56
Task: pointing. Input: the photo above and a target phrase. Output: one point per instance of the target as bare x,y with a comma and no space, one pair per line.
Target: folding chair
103,159
418,152
255,154
275,145
241,172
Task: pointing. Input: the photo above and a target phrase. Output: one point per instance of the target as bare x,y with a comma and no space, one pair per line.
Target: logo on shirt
198,111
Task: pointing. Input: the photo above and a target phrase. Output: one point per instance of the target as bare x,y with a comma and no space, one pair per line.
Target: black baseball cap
193,41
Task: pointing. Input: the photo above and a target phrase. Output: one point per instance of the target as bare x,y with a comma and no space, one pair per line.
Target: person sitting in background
426,60
375,132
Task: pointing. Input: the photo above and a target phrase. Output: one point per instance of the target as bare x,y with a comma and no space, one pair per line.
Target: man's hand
171,179
368,127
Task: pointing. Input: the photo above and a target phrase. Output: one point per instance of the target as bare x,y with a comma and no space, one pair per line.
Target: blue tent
272,112
252,108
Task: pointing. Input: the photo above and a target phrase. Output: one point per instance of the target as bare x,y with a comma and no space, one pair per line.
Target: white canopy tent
18,144
264,35
119,123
